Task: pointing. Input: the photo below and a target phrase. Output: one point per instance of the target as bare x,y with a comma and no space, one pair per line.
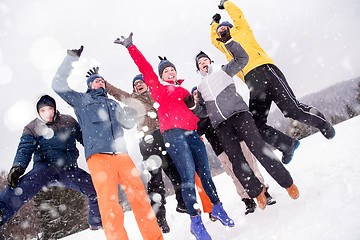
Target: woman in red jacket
178,126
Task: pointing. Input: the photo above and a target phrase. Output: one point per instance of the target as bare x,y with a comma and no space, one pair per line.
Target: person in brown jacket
152,147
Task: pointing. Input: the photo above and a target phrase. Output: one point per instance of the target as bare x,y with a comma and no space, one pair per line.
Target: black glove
189,101
126,42
93,71
75,52
14,175
216,18
221,5
224,36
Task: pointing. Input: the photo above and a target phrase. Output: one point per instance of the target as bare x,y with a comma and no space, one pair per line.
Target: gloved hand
127,42
75,52
189,101
224,36
15,173
221,5
216,18
93,71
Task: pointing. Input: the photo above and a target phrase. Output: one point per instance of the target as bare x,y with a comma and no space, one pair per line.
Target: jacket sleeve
241,58
117,93
200,107
61,86
236,15
26,148
150,77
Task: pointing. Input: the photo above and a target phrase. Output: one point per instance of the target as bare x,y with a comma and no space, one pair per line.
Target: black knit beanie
164,63
200,55
46,100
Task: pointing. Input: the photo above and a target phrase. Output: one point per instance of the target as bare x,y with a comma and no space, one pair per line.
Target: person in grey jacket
231,119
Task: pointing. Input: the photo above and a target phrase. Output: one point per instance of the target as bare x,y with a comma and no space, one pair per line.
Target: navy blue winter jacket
53,143
101,119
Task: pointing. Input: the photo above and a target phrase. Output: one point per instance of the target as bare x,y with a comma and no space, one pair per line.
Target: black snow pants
152,146
241,127
267,84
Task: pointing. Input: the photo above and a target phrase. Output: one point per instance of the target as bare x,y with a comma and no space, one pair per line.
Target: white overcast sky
314,43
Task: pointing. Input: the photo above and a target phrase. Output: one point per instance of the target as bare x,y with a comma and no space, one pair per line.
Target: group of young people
171,121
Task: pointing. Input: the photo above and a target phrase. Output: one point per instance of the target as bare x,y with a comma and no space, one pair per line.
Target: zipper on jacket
217,107
111,124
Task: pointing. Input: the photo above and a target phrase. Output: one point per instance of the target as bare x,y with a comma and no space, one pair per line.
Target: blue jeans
44,174
189,155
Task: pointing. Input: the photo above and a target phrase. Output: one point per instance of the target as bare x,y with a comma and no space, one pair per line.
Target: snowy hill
326,173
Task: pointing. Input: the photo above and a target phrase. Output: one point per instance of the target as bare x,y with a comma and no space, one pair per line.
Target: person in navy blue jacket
50,140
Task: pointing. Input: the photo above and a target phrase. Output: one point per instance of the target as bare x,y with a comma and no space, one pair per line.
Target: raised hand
224,36
75,52
221,5
126,42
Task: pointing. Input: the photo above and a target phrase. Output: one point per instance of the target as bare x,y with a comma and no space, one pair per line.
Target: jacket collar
176,83
100,92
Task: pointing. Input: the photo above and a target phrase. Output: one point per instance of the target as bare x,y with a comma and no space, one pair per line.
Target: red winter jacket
172,112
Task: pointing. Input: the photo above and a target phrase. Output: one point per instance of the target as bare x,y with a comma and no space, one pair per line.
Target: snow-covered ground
327,175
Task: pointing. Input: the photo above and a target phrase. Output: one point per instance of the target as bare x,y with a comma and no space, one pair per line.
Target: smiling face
47,113
196,96
169,74
98,83
221,29
203,62
140,86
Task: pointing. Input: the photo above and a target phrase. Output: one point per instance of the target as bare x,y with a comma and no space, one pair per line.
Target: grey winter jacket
218,98
101,119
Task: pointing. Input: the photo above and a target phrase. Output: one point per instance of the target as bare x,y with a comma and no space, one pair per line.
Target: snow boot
181,208
250,205
293,191
218,212
327,130
163,225
198,229
269,199
261,200
288,155
94,228
213,219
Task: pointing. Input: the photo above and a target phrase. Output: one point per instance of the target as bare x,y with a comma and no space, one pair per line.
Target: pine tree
350,111
298,130
358,95
61,211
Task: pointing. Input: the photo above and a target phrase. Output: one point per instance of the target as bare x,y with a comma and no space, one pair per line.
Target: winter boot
327,130
219,213
213,219
163,225
181,207
161,219
287,156
94,228
198,229
261,200
293,191
250,205
269,199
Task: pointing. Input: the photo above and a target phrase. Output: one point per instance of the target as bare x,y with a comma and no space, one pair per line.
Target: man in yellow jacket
267,84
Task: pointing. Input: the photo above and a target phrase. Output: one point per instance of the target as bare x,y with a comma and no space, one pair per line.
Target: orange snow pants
107,170
205,200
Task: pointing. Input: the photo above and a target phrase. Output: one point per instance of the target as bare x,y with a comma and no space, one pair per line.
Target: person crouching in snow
205,128
178,126
50,140
102,121
231,119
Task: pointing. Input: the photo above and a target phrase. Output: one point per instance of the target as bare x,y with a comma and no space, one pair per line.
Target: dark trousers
42,175
189,154
241,127
267,84
152,147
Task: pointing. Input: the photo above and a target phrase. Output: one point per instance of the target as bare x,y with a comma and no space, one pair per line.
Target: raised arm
236,15
240,57
150,77
60,84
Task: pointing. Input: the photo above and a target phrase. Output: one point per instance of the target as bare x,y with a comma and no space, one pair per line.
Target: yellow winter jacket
242,34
